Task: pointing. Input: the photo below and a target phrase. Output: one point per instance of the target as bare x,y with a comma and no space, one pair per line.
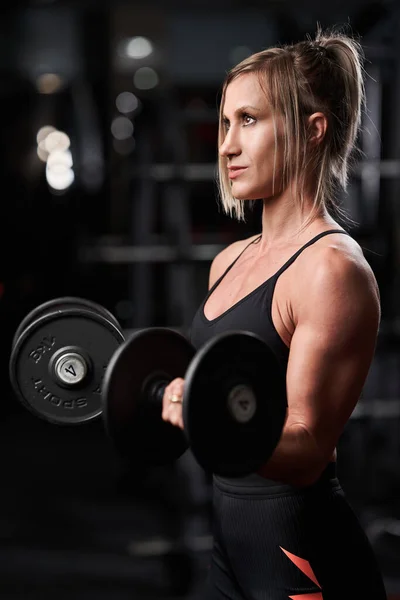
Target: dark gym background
108,124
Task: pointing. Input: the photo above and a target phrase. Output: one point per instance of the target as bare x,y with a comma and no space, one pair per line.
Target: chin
246,197
242,194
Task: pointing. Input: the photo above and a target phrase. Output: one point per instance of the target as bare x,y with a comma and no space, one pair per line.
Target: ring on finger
175,399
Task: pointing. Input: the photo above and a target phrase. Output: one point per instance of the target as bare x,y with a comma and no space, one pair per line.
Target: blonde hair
321,75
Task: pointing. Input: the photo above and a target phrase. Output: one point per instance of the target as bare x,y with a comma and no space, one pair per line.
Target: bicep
330,355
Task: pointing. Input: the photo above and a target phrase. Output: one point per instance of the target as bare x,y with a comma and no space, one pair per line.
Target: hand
172,411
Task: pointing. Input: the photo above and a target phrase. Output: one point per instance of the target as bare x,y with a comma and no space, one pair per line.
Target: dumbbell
61,304
234,404
59,355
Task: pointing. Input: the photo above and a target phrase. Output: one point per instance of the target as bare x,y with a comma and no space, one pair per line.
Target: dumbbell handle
155,391
241,401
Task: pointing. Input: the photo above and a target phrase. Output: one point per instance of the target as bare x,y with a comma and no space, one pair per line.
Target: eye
245,118
248,119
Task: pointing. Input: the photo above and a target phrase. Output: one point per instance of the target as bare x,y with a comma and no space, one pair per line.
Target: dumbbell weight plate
132,417
36,357
61,304
235,404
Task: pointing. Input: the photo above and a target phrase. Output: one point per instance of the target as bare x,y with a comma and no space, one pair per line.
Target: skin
325,307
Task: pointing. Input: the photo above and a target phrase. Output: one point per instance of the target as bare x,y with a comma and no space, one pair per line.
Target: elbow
299,460
307,478
316,458
314,470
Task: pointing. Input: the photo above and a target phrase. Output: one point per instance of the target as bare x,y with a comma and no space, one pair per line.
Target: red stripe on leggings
313,596
305,567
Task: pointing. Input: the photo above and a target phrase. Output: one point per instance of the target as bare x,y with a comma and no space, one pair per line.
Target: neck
283,222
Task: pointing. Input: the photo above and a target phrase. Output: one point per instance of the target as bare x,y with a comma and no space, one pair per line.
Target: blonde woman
289,119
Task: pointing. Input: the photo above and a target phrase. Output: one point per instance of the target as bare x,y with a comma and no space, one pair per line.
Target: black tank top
252,313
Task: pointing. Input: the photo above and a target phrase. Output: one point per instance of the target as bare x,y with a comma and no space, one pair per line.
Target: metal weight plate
58,363
235,404
132,415
61,304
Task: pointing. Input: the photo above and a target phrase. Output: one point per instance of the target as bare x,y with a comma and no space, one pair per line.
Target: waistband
255,483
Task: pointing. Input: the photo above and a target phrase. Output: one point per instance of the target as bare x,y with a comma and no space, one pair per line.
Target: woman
289,118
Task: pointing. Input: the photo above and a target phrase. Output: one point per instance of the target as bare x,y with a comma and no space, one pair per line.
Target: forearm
297,459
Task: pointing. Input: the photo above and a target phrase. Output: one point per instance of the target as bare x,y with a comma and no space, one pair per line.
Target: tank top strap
309,243
231,265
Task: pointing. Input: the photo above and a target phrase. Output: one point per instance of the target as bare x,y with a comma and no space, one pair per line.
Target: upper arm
336,327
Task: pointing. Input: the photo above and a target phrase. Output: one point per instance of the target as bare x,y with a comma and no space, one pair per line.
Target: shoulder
334,275
226,257
336,261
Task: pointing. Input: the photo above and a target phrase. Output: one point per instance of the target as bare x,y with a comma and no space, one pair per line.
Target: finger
176,415
169,409
179,387
175,418
174,389
166,403
173,413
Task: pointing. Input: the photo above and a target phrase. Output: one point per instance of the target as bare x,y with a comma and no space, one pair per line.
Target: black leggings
275,542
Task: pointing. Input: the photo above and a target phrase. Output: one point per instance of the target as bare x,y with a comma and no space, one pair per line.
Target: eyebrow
242,109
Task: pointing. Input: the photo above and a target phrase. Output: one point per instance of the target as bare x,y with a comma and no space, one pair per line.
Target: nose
230,146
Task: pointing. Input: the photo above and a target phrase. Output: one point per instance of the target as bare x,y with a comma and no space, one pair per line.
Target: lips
235,171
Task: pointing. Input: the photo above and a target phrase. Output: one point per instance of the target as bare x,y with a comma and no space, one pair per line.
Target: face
249,146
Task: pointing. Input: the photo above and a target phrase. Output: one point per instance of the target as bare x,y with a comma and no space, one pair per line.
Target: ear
317,126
